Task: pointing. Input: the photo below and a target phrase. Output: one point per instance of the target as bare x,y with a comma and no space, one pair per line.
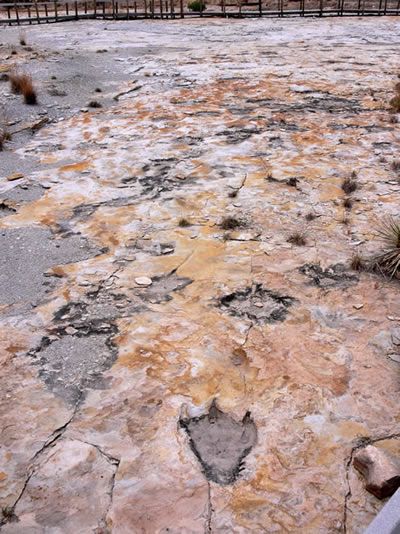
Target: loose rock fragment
143,281
14,176
381,470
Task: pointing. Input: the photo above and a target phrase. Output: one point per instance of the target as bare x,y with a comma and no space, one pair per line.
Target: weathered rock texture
259,120
381,470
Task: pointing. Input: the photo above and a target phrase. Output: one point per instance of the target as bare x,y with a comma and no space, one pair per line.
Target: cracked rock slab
49,504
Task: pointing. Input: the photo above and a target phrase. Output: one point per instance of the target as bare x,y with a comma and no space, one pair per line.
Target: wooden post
8,15
260,8
181,8
76,10
95,9
161,9
16,12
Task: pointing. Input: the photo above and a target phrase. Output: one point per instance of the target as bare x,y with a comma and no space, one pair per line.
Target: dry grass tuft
298,239
22,84
184,223
22,38
395,103
292,181
349,185
357,263
396,165
94,104
388,262
348,203
231,223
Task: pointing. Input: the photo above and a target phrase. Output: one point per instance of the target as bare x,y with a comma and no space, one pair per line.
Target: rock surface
380,469
96,371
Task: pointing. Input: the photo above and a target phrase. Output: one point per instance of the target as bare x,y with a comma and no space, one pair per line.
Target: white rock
143,281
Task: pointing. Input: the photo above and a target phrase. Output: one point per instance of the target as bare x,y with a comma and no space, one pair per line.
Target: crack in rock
220,443
256,303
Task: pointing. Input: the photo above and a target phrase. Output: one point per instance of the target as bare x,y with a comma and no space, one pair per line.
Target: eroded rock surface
380,469
201,122
220,443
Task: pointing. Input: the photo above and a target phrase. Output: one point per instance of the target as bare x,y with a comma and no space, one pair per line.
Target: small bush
297,239
310,216
197,5
184,223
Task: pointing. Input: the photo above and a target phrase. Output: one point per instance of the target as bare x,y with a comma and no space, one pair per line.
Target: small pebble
143,281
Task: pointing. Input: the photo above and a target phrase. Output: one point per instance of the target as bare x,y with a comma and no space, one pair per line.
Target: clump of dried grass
184,223
231,223
22,84
298,239
357,263
349,185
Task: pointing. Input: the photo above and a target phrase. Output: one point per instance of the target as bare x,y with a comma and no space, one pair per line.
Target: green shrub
197,5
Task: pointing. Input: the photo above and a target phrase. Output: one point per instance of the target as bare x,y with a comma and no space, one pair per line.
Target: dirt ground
184,345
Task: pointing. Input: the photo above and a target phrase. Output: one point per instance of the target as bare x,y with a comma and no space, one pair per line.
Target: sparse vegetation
348,203
395,103
94,104
23,84
197,6
310,216
231,223
22,38
98,90
7,515
349,185
4,136
292,181
357,263
233,194
396,165
298,239
184,223
388,262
